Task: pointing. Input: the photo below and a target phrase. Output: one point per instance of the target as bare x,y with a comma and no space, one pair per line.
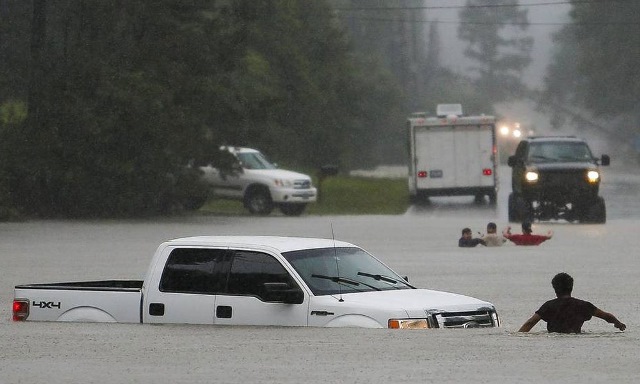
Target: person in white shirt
492,238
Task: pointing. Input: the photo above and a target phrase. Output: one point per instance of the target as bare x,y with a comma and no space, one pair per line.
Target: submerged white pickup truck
257,280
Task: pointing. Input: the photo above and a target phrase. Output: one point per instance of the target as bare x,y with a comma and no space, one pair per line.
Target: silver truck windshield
330,271
559,152
254,160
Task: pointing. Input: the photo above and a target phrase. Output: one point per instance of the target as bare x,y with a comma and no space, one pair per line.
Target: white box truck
452,155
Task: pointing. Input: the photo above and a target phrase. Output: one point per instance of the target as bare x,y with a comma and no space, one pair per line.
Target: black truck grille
474,319
563,178
302,184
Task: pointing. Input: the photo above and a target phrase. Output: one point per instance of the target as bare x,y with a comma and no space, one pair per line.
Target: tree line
594,77
107,108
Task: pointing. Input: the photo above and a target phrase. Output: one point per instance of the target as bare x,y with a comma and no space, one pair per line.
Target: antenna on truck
335,257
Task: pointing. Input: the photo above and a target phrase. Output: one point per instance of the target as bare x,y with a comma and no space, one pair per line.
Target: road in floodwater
421,244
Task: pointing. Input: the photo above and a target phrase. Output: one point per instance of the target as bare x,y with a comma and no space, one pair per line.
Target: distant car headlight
593,176
531,176
283,183
408,323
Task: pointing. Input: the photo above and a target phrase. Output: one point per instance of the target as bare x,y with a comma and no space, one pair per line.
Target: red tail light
422,174
20,309
487,172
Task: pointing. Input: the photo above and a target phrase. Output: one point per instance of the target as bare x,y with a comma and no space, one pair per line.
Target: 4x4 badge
46,304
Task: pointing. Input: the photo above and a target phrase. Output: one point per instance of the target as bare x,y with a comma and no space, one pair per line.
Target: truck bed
93,301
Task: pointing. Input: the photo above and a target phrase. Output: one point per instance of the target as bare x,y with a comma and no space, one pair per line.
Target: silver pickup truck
257,280
260,184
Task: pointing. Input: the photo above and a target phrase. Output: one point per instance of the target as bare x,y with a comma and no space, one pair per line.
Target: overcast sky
452,48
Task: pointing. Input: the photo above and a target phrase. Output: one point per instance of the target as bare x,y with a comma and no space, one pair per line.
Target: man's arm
609,318
533,320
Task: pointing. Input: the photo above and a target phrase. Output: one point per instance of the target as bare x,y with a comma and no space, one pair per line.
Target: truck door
186,290
473,147
247,300
224,183
435,156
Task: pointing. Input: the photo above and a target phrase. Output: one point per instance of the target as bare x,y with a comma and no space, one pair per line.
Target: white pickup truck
257,280
259,184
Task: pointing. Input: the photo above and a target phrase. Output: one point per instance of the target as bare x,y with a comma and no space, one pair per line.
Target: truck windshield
330,271
559,152
254,160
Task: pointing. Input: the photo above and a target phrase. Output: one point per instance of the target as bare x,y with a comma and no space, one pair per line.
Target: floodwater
603,259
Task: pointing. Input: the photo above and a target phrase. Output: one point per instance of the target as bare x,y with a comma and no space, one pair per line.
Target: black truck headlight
531,176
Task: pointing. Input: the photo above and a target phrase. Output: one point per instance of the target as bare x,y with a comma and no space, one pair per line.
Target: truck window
194,270
254,160
250,270
559,152
521,150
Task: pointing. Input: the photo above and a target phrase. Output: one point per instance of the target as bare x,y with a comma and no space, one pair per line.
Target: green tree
594,69
116,111
126,98
499,60
608,58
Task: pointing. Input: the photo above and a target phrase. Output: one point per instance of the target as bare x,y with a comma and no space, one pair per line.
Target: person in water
527,237
467,241
566,314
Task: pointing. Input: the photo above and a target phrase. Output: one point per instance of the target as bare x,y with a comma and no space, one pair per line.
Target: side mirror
605,160
511,161
237,167
282,292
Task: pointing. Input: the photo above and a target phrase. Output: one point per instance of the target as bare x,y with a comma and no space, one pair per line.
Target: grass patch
345,195
340,195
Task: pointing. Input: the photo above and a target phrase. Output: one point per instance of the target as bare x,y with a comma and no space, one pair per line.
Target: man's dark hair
492,225
526,227
466,230
562,283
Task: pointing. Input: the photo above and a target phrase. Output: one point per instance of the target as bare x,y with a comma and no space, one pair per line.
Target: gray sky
452,48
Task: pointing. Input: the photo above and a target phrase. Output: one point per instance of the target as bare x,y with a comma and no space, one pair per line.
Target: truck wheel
597,213
258,201
513,215
194,203
493,198
292,209
420,198
519,209
523,207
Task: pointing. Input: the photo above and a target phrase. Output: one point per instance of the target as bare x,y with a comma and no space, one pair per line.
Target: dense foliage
107,106
596,68
497,47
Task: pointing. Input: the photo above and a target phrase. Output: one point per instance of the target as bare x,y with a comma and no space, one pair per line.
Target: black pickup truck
556,177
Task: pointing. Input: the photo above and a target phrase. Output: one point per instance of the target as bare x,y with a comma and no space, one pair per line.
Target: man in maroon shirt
566,314
527,238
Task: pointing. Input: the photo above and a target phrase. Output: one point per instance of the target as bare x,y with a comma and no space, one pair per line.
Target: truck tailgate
109,301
